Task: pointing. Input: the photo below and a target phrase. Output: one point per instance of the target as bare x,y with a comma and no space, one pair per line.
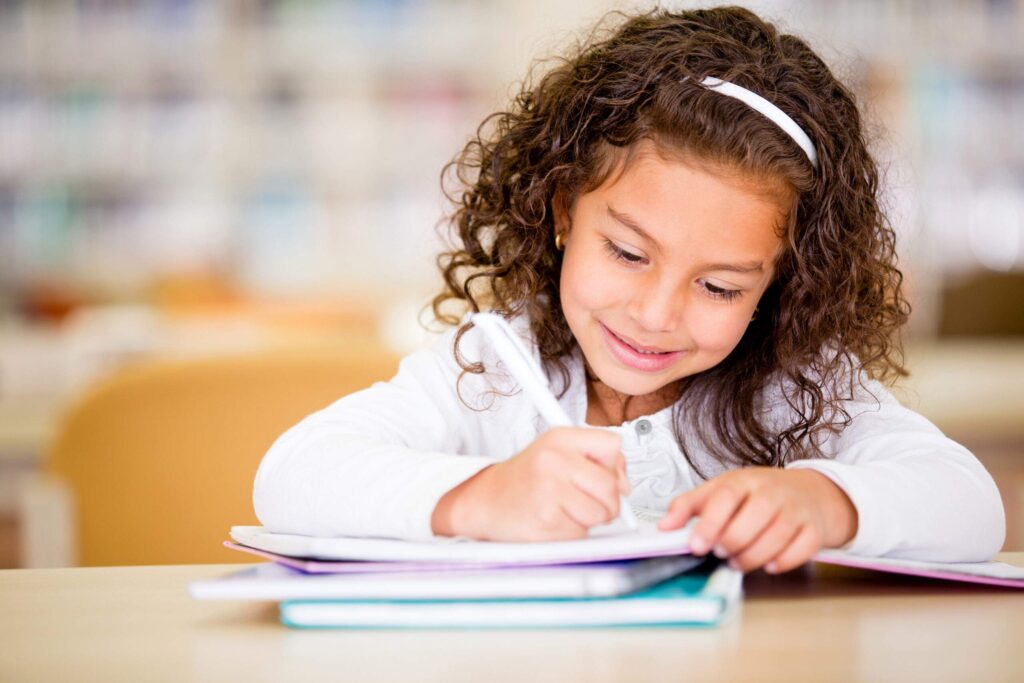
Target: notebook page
610,542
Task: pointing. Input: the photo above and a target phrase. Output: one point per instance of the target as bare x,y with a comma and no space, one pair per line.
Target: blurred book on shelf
295,148
292,147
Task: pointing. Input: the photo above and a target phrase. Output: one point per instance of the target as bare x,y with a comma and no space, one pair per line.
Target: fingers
714,516
599,445
625,488
758,517
599,485
584,511
775,538
752,534
622,485
686,506
555,524
565,482
603,446
749,522
800,549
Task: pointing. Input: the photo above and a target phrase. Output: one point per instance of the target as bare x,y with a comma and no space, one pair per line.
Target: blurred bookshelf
944,81
294,148
286,147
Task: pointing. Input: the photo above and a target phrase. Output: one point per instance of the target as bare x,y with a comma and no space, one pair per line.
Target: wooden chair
159,459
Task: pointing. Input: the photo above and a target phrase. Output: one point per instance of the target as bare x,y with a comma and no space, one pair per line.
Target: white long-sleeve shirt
376,462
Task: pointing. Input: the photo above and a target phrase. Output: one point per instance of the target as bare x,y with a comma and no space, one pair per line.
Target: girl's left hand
764,516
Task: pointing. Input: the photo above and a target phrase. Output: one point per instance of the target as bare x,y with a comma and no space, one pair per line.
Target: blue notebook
700,597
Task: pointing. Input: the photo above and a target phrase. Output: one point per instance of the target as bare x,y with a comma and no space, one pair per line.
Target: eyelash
632,259
623,255
720,292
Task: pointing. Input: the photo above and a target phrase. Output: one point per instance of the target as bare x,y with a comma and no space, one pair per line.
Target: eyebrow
631,223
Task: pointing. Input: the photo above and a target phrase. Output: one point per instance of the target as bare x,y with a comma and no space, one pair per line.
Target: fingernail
734,564
720,552
771,568
698,545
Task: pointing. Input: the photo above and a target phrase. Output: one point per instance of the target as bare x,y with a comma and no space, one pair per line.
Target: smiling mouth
640,348
638,357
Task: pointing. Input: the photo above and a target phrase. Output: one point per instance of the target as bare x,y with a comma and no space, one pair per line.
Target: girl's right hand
568,480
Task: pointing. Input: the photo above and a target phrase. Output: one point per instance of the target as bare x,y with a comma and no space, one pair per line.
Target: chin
633,383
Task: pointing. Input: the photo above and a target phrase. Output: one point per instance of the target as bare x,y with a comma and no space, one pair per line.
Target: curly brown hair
829,320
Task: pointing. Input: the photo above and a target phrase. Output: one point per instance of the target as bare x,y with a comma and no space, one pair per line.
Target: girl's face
664,264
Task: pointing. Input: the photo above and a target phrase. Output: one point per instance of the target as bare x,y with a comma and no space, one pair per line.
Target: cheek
588,283
717,328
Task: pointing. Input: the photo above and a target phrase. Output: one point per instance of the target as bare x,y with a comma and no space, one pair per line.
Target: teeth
642,353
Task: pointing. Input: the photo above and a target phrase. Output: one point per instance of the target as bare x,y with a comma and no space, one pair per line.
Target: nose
657,305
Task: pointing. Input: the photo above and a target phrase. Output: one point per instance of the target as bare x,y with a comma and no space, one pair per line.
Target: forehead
682,198
646,152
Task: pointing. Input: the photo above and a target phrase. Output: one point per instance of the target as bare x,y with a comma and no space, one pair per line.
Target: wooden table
816,624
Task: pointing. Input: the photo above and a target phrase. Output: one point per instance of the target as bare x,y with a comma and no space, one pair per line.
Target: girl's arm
918,494
892,485
377,461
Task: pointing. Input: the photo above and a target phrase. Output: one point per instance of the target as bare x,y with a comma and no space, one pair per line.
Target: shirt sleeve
918,494
376,462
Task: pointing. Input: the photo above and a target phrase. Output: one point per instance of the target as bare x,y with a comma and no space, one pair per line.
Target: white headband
776,115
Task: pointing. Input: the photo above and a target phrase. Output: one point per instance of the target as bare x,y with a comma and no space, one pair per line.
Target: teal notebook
701,597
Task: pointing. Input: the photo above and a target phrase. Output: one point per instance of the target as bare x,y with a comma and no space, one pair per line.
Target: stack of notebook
614,577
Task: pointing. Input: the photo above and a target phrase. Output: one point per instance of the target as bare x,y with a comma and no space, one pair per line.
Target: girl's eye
716,292
622,254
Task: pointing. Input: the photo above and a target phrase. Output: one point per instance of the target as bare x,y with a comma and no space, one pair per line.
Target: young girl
682,219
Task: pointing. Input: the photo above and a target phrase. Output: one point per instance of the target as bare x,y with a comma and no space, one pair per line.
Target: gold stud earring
559,241
753,317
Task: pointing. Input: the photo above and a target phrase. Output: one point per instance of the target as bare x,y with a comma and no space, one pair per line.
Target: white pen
531,378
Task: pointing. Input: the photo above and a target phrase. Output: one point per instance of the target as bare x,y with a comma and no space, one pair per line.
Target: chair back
160,457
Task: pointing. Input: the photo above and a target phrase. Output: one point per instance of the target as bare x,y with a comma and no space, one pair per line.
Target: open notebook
612,542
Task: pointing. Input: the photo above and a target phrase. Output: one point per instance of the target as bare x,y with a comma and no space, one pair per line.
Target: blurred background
183,180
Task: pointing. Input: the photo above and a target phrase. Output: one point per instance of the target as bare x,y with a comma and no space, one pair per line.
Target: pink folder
365,567
988,573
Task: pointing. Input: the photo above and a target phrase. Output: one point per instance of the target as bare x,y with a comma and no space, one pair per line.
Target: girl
682,219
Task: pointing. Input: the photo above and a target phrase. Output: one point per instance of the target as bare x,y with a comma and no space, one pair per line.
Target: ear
560,213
